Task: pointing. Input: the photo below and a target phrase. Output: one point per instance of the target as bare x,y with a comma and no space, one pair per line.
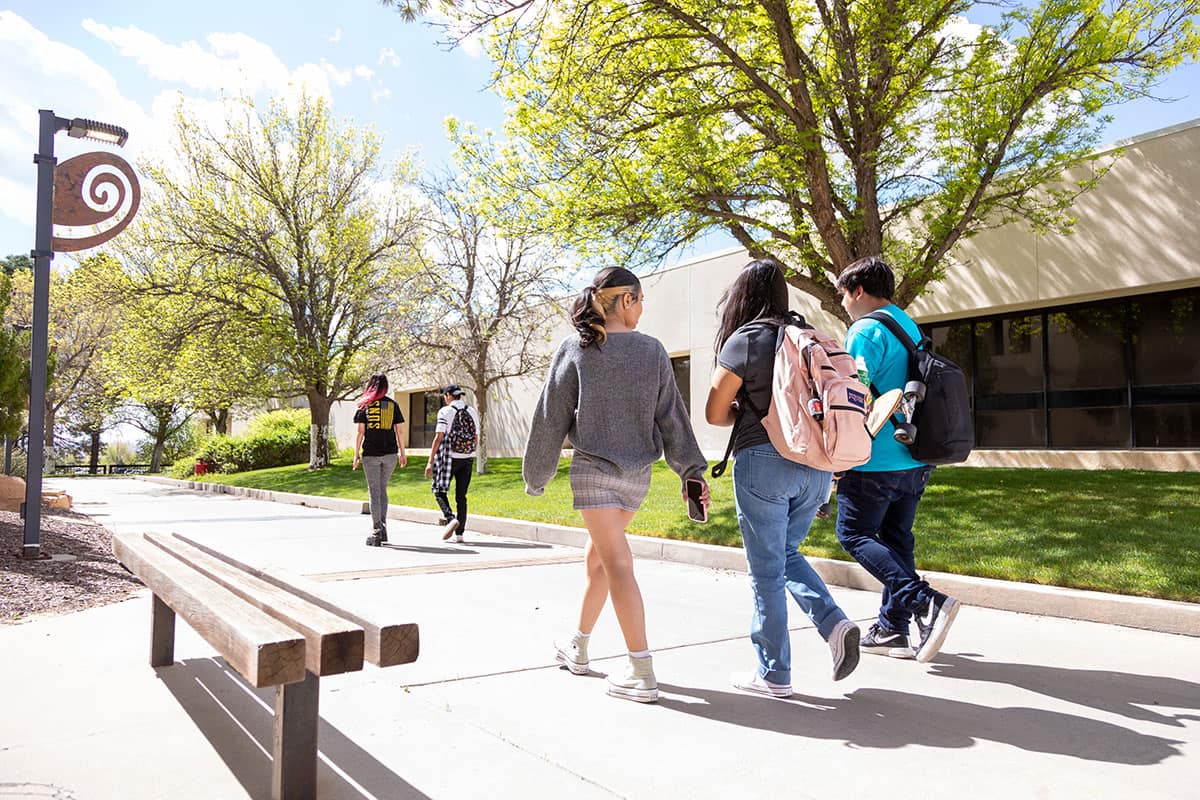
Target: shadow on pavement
1116,692
238,721
888,719
510,545
417,548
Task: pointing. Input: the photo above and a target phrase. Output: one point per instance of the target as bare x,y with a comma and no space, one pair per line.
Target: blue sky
128,62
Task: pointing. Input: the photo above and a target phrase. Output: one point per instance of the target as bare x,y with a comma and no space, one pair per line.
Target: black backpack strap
892,325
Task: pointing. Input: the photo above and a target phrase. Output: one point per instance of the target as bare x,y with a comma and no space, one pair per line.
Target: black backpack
945,432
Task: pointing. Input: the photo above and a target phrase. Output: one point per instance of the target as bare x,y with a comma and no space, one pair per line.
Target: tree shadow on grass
889,719
239,723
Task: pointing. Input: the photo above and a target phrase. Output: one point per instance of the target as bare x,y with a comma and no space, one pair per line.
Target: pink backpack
818,410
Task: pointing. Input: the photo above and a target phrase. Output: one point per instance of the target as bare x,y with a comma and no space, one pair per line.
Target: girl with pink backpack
776,497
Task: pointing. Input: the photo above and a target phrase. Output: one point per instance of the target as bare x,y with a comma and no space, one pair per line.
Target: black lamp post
43,252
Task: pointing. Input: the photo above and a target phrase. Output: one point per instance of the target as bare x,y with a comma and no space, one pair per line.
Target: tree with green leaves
200,353
816,131
10,264
94,411
291,221
161,420
14,368
84,312
484,287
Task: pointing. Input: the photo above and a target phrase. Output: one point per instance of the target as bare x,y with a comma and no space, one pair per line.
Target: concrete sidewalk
1015,706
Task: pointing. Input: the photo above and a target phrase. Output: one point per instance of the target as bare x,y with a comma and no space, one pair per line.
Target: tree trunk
160,441
219,417
48,438
94,453
481,403
318,435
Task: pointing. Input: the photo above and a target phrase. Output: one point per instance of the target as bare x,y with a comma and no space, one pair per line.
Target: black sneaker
933,622
373,540
885,643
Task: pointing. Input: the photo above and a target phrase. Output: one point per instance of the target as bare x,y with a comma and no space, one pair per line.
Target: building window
423,408
682,367
1165,381
1106,375
1007,369
1087,387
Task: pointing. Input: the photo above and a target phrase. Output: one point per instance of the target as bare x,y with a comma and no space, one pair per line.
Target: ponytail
599,300
377,386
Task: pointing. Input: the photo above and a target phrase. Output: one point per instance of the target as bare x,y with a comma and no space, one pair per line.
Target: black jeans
460,474
874,524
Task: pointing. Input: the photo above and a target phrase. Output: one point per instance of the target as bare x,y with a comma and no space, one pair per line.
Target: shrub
274,439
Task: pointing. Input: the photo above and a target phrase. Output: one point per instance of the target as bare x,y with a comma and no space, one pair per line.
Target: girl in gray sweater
612,392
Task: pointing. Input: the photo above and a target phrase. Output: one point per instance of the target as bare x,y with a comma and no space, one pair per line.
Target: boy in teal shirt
877,502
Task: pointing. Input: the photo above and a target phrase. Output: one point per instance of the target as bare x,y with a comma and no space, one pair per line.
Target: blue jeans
874,524
776,501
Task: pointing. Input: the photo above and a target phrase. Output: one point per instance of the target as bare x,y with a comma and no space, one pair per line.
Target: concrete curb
1164,616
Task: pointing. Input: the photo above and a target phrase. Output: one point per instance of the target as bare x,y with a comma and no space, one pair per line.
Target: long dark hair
377,386
597,301
760,290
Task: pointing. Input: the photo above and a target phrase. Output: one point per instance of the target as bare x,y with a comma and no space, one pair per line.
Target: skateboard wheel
906,433
915,389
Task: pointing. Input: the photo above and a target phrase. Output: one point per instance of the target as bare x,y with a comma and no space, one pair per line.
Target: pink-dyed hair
377,386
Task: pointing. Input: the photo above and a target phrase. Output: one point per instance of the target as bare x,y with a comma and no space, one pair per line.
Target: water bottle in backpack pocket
944,431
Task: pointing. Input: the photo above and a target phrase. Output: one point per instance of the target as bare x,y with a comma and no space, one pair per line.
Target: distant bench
274,628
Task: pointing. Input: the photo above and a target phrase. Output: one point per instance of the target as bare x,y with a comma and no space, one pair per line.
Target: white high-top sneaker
637,681
573,654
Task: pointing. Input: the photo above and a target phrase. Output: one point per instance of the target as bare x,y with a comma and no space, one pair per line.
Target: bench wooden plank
334,644
264,650
386,644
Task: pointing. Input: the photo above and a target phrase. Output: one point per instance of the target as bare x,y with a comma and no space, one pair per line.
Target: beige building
1081,349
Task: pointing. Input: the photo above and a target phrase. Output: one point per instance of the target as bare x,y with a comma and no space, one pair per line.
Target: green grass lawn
1117,531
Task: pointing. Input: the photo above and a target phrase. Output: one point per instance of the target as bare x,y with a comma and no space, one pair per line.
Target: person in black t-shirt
379,445
775,498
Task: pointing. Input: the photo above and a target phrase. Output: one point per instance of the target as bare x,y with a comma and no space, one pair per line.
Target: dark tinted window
1008,382
682,366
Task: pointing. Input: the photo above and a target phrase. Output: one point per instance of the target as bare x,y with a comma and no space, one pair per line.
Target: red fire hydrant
201,467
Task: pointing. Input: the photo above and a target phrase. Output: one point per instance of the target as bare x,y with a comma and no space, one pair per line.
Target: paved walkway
1015,706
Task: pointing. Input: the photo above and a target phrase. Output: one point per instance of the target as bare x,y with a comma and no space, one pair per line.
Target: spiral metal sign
95,197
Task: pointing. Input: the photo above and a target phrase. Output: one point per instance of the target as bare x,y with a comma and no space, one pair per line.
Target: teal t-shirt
887,367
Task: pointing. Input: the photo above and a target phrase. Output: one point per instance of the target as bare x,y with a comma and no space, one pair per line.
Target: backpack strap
889,322
892,325
744,401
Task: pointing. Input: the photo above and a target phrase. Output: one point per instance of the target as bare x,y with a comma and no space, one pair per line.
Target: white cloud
382,93
337,36
388,56
39,72
42,73
230,62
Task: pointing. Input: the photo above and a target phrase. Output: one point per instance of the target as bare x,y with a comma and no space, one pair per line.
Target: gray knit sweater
618,403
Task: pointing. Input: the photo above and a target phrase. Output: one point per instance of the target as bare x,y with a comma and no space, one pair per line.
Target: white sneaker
573,655
458,539
754,683
450,529
637,682
843,645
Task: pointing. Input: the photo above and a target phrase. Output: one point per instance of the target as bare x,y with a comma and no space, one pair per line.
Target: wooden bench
274,628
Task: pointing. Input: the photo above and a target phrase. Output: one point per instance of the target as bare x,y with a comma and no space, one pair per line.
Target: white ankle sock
581,635
639,653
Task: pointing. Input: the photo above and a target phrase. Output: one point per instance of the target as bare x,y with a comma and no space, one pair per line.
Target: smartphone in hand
696,510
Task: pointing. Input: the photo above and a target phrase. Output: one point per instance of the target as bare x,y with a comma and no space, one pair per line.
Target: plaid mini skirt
598,484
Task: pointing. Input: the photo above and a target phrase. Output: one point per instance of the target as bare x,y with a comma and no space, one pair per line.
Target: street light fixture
43,252
80,128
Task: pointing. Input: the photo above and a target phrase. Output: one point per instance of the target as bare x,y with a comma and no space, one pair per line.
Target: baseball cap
454,390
